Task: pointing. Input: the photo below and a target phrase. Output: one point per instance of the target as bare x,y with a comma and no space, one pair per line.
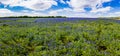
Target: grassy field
24,37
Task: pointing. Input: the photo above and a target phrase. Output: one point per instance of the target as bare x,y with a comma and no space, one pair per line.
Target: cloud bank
76,8
95,5
31,4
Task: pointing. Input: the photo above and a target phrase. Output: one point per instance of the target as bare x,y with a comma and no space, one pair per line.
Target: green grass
80,38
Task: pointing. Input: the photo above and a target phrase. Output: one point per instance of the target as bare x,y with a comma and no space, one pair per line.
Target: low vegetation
78,38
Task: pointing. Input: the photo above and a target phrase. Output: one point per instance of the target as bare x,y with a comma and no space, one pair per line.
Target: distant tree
35,17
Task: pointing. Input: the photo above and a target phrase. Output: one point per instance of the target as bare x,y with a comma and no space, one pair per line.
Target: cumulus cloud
53,13
76,10
5,11
31,4
62,12
79,5
102,10
62,1
94,13
117,12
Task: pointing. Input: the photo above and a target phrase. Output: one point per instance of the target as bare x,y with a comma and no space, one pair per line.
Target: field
59,37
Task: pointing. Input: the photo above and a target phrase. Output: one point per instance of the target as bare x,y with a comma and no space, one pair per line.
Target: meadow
59,37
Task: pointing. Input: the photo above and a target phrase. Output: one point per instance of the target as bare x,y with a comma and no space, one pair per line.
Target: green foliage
79,38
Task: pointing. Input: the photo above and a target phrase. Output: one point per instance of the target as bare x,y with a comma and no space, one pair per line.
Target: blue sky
70,8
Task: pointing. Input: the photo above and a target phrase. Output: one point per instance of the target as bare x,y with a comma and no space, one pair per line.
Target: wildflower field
43,37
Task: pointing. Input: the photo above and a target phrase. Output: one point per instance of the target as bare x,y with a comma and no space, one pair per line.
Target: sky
69,8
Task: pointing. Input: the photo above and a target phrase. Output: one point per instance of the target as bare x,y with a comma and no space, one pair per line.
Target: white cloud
53,13
31,4
79,5
70,13
61,12
117,13
5,11
77,8
102,10
62,1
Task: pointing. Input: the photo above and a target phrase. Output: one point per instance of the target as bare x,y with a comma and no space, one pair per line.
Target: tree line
34,17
